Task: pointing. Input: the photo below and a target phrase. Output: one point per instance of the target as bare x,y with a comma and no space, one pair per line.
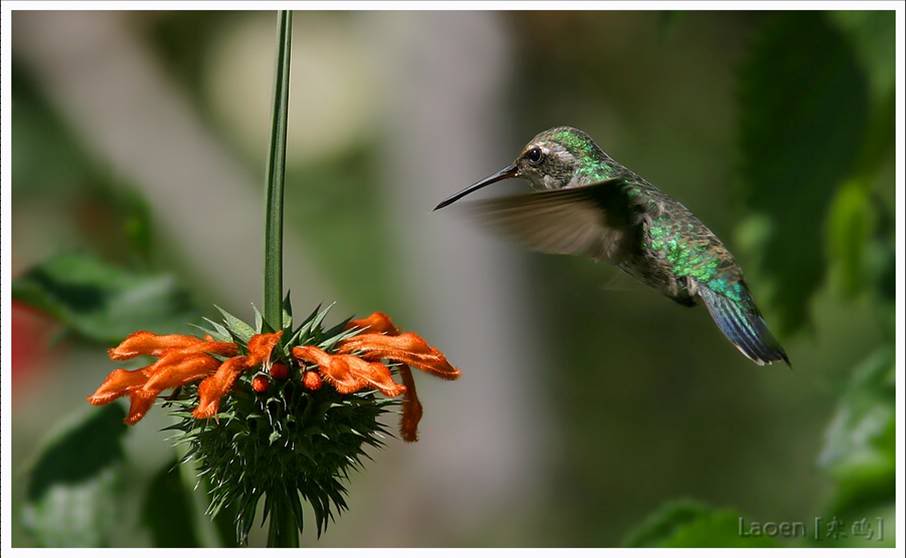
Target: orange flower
407,348
147,343
354,365
183,359
348,373
380,339
213,388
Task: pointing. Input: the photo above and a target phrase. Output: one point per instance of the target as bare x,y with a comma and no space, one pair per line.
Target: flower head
293,407
358,364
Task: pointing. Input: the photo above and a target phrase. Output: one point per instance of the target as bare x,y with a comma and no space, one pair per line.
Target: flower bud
260,383
279,371
311,380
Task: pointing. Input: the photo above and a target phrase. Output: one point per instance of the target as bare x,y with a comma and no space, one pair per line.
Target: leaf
687,523
169,510
859,449
74,483
287,313
850,228
804,110
237,327
872,34
102,302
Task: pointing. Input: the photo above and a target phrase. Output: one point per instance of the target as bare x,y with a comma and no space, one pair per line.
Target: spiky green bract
285,446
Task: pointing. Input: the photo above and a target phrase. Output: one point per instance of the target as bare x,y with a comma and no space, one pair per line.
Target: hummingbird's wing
589,221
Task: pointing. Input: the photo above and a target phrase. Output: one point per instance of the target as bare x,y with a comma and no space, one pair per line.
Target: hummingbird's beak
506,172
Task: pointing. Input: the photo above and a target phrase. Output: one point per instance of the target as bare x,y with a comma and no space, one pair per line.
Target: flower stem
283,530
276,168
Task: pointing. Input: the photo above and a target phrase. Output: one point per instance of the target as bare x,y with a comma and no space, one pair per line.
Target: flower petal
408,348
260,347
213,388
189,368
336,372
117,384
148,343
377,322
140,402
349,373
171,371
222,348
412,407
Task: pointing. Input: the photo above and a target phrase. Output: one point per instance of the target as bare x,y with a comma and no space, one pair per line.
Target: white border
5,241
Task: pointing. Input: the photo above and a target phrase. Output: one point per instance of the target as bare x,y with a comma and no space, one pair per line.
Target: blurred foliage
804,101
686,523
851,223
859,452
74,482
330,204
169,511
51,162
102,302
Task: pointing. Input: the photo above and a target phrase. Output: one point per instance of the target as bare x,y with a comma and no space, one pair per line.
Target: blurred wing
588,221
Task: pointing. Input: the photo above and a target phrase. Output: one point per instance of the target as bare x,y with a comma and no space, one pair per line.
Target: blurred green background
591,411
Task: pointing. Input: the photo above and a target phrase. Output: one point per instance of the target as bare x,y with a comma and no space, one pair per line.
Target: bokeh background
591,411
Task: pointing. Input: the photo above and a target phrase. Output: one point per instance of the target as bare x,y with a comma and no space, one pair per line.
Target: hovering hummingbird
591,205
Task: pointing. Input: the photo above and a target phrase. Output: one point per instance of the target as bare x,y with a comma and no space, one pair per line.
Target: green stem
282,530
276,168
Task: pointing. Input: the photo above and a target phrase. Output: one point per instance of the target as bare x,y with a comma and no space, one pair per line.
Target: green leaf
102,302
687,523
237,327
73,486
168,510
872,34
859,450
849,231
287,313
804,110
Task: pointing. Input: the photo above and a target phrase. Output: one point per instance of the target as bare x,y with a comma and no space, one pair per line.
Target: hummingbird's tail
743,325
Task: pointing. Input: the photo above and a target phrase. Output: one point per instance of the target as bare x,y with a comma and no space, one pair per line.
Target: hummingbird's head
561,157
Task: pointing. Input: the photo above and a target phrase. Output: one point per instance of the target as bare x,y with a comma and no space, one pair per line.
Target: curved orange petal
260,347
172,371
148,343
408,348
348,373
223,348
412,407
212,389
377,322
190,368
336,372
140,402
117,384
374,374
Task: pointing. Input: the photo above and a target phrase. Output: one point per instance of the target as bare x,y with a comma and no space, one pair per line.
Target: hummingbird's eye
534,155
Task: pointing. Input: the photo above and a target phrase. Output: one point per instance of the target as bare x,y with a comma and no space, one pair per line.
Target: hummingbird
587,204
